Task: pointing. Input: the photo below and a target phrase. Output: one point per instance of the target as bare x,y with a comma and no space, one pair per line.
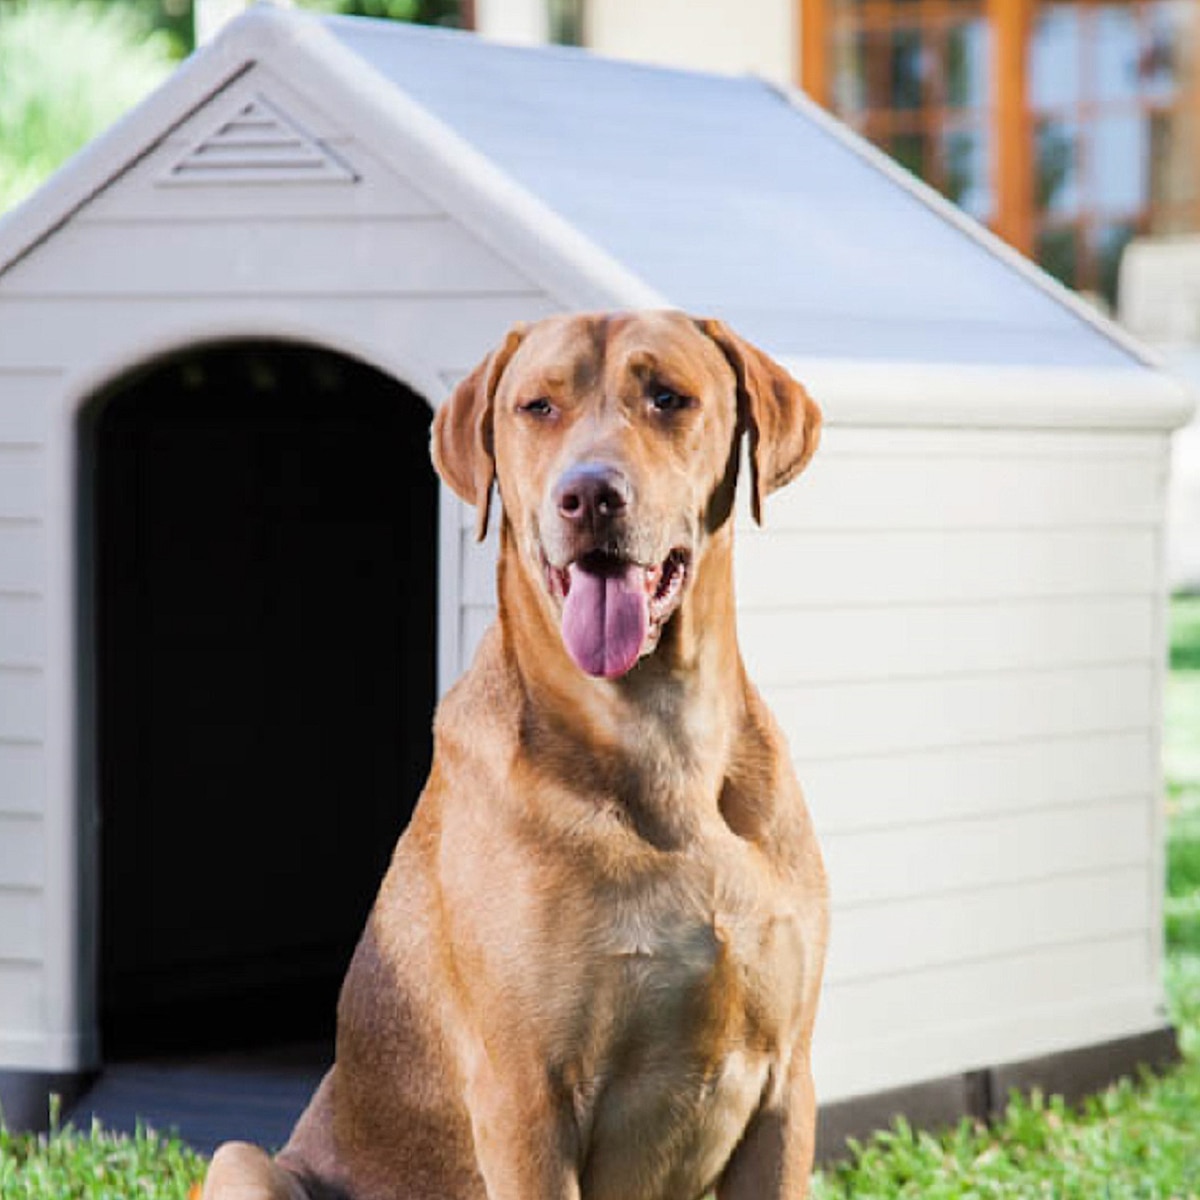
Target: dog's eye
541,407
667,400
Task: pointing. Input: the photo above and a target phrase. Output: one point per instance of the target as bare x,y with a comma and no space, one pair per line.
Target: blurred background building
1068,127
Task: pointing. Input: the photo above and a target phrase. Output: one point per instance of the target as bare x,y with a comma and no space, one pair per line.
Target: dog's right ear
463,452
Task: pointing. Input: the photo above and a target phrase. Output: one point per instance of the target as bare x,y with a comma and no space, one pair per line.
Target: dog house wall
361,260
956,613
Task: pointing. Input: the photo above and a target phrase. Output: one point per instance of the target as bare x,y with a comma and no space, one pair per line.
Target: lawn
1136,1141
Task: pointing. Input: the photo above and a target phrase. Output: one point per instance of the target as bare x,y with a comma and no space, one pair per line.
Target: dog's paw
240,1171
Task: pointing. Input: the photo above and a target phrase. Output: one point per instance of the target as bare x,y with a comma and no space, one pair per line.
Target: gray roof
730,200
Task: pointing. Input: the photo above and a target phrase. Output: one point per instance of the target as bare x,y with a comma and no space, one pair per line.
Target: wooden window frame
1008,117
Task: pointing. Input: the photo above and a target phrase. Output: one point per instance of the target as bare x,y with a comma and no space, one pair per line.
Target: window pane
1173,160
1117,49
966,167
1108,242
908,69
1119,163
565,22
1054,52
966,65
911,150
1171,29
849,73
1056,252
1057,167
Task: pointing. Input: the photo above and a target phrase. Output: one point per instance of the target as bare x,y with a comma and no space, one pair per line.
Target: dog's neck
676,718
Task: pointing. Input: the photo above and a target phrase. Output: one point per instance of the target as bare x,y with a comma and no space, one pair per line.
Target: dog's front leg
526,1144
774,1159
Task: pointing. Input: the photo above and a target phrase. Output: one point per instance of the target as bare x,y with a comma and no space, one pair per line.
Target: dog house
230,587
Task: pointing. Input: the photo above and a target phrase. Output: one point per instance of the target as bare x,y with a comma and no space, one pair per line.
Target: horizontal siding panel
889,1056
25,399
934,785
22,558
927,931
476,622
889,864
844,643
22,997
21,926
455,331
22,630
833,720
22,777
22,482
971,493
924,1003
840,441
22,852
256,257
22,704
479,570
782,570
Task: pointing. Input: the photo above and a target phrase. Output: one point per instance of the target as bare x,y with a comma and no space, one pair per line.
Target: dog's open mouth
613,610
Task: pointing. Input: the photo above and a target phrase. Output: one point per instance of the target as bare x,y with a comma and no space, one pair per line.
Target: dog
593,966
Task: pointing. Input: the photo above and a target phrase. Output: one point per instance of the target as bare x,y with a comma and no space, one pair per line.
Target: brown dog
592,969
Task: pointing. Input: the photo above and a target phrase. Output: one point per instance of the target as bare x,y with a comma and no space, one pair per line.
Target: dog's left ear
782,419
462,446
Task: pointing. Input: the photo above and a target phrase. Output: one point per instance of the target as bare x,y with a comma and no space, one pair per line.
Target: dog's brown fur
592,969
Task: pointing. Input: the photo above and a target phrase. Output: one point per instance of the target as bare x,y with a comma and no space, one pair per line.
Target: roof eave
975,396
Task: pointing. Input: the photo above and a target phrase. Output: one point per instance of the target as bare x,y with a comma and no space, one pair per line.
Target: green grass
68,69
71,1165
1136,1141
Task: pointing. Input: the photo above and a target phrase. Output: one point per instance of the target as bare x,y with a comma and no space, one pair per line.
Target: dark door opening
265,541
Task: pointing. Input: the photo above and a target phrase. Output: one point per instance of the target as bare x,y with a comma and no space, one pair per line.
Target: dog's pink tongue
605,619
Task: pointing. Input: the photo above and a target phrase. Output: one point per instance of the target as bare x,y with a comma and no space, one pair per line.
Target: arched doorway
264,540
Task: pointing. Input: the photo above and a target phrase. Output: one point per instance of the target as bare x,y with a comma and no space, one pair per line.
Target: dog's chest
694,1009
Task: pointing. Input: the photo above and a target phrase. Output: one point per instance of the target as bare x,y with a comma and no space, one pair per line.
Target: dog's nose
590,490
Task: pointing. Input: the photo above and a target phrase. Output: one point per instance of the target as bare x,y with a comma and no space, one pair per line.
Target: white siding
903,1028
426,255
960,633
22,851
23,408
21,996
22,558
22,777
23,431
373,267
21,927
421,328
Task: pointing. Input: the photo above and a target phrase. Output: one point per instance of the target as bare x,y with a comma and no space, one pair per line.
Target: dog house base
25,1096
983,1094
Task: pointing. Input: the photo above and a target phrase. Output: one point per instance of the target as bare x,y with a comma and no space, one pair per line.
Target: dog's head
614,440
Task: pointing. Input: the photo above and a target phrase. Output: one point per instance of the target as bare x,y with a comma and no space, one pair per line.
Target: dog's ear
782,419
462,445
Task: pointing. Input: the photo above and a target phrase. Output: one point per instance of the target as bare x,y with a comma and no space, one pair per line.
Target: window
1068,126
565,22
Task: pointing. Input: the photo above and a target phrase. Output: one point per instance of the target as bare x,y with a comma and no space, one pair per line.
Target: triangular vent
257,143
